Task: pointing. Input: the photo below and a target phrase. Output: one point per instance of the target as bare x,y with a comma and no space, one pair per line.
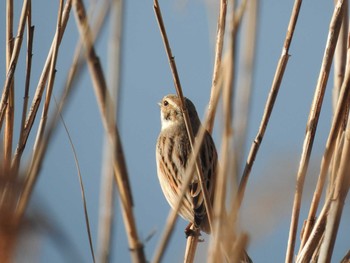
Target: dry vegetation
228,242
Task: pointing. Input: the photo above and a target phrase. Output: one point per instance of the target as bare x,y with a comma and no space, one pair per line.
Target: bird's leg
192,232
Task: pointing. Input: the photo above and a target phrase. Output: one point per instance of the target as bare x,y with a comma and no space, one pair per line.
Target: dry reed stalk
107,192
245,80
13,62
311,127
169,226
38,93
34,167
340,55
51,79
191,246
217,63
228,161
9,117
336,128
30,35
281,66
104,100
32,171
342,186
316,234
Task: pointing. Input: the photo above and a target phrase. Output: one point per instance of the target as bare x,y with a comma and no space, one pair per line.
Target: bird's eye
165,103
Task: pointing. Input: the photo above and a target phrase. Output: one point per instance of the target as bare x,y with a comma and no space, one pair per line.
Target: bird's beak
160,103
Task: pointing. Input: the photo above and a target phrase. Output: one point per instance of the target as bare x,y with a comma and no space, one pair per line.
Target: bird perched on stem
173,153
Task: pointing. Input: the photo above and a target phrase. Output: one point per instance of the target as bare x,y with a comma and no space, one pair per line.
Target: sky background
146,78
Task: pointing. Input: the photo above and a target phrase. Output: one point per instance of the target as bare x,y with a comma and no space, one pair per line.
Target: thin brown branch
9,117
311,127
281,66
217,63
342,186
33,170
191,246
30,37
107,189
340,112
51,80
13,62
245,83
104,101
39,90
340,55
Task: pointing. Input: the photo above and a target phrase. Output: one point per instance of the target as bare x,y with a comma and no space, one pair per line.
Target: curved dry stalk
104,102
336,127
81,183
282,63
217,63
183,107
315,110
13,62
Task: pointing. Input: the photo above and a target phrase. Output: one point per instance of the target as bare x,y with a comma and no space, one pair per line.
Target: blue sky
146,78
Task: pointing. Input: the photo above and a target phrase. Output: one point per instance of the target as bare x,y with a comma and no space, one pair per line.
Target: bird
173,151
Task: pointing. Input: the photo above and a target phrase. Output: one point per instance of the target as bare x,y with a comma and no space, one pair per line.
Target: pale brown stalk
315,236
13,62
30,35
39,91
340,55
281,66
51,80
340,112
217,63
228,161
191,246
9,117
342,185
104,101
245,81
107,189
315,110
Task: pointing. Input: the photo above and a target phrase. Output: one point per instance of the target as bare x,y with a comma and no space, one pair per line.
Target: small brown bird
172,154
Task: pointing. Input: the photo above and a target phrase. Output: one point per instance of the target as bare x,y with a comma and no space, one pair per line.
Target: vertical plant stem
281,66
8,132
342,185
106,210
51,79
104,101
315,110
13,62
340,112
217,62
39,90
245,83
30,36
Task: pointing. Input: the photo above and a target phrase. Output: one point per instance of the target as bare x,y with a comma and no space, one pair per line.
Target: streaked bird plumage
173,152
